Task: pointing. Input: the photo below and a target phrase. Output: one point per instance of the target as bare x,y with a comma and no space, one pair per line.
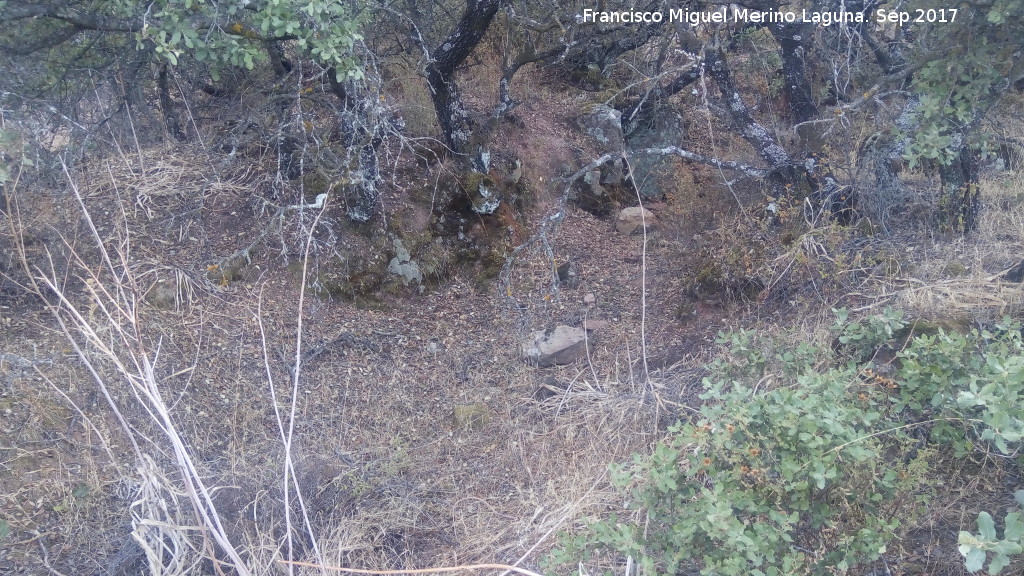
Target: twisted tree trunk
453,50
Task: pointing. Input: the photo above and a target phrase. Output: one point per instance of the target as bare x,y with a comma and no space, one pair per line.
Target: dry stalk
289,478
107,329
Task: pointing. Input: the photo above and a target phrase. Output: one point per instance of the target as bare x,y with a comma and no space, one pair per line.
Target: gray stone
558,346
593,180
1014,274
402,265
665,128
487,198
163,295
604,124
631,220
569,274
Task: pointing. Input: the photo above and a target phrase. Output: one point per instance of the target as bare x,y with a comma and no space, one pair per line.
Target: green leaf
987,526
81,491
5,529
975,559
1006,548
998,563
966,540
1019,497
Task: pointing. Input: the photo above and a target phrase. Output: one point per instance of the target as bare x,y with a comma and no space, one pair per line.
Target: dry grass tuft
979,300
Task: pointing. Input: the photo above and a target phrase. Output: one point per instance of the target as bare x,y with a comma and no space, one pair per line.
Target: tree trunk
783,171
885,154
362,138
792,38
444,92
167,105
960,198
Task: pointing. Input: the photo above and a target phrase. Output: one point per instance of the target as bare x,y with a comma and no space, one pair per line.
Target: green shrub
791,469
801,460
862,339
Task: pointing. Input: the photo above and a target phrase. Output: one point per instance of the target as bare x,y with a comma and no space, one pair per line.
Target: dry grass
388,481
958,277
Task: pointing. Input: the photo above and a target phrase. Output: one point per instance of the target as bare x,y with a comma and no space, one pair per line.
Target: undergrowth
812,459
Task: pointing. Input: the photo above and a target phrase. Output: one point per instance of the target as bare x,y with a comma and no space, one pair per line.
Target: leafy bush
790,469
863,339
801,462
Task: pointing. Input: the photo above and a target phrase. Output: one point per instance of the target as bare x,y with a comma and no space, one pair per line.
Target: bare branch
83,20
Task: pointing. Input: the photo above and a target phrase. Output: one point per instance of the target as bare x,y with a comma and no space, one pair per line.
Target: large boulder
603,124
655,175
558,346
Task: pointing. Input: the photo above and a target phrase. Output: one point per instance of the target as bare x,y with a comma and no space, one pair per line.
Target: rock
592,196
593,325
1014,274
546,391
562,345
229,269
516,175
569,274
604,126
163,295
631,220
403,266
593,180
589,298
487,197
654,174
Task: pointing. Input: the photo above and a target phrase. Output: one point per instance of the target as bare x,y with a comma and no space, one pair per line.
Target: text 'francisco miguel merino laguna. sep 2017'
746,15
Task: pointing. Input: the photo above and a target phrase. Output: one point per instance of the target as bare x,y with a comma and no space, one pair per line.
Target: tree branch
747,169
752,131
26,47
84,20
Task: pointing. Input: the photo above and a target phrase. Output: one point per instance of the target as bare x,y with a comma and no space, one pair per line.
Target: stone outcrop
652,173
603,124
